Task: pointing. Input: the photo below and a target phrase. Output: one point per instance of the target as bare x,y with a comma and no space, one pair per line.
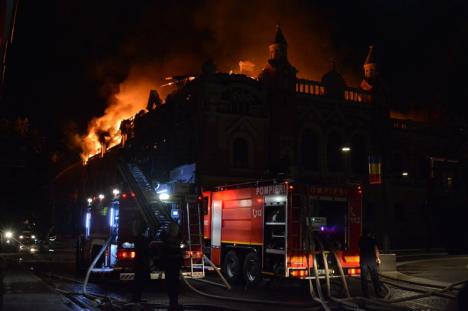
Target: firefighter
369,260
142,270
172,260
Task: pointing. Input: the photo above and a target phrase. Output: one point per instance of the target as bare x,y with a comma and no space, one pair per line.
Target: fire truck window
334,153
240,153
309,150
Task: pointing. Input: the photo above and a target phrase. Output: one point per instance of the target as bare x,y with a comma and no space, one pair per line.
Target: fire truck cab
275,228
139,207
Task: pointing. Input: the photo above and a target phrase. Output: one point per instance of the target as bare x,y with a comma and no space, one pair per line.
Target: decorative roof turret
371,76
333,82
279,37
278,73
370,59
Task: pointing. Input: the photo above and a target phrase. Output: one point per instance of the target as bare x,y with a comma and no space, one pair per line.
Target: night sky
69,57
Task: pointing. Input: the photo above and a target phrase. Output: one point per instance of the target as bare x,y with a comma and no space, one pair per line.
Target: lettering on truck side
271,189
256,212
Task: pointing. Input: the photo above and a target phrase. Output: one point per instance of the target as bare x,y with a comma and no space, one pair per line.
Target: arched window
240,154
334,153
309,150
359,156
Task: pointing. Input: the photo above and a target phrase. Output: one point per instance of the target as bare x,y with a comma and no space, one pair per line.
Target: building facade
236,128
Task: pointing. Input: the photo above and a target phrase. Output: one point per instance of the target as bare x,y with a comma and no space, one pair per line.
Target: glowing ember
104,132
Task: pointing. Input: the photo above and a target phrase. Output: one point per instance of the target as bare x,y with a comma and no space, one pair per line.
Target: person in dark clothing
369,260
172,260
142,270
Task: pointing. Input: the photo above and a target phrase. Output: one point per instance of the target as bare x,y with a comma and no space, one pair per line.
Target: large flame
104,132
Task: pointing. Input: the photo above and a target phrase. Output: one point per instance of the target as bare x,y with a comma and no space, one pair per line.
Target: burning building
236,128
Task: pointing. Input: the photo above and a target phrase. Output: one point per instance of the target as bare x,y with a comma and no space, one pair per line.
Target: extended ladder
195,240
153,211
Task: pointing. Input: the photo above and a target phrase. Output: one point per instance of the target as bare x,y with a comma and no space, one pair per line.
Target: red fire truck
118,215
262,228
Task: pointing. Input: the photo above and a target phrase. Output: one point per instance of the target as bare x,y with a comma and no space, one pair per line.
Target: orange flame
104,132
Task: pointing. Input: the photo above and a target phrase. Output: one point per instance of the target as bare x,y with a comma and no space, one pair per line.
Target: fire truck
130,206
276,228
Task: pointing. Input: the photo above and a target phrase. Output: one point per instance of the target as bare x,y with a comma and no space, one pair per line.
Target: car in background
28,241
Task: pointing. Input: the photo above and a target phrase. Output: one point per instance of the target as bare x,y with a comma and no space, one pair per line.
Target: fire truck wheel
252,269
232,267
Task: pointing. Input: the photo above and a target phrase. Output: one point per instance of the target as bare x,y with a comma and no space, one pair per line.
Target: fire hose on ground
344,302
234,299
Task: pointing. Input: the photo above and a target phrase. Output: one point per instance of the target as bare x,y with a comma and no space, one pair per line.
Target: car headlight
33,236
8,234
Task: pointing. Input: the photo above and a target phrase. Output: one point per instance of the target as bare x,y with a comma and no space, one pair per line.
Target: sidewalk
23,291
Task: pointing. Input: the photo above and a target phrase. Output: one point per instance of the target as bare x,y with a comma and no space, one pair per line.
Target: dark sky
69,57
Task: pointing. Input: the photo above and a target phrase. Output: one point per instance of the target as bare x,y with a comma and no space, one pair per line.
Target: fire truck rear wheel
232,267
252,269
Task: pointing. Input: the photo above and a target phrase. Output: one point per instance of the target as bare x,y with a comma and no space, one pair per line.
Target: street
35,282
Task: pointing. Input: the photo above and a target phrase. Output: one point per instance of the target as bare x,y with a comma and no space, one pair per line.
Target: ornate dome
334,83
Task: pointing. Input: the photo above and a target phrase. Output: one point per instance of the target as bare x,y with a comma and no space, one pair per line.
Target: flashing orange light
354,271
299,261
351,259
299,273
123,254
193,254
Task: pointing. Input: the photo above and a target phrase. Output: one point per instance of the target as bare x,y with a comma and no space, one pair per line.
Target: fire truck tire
232,267
252,269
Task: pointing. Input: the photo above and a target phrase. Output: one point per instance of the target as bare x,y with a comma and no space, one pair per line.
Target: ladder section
195,240
152,209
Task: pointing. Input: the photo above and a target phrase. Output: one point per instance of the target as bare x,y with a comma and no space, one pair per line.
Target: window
359,156
240,153
334,156
309,150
